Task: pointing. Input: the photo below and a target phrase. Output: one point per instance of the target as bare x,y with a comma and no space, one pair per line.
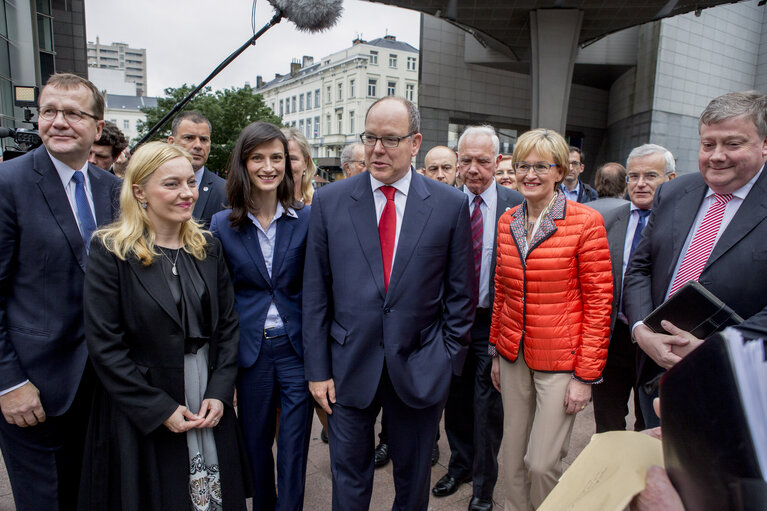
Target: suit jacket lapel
249,240
202,198
616,240
153,280
102,196
417,212
362,212
208,268
56,197
285,227
750,213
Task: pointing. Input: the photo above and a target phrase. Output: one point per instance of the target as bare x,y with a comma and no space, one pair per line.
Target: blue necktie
643,214
84,214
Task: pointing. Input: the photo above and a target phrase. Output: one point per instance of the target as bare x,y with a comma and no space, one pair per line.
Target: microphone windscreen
310,15
6,132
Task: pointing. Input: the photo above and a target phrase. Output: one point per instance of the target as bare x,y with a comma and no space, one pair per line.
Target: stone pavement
318,479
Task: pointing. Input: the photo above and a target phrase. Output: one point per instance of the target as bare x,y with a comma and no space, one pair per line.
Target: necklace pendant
174,270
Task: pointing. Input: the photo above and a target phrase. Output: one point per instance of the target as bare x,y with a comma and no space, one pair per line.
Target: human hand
324,393
681,351
22,406
495,373
660,347
182,420
658,494
577,396
211,411
121,163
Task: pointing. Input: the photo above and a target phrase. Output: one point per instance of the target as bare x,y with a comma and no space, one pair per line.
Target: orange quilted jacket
555,304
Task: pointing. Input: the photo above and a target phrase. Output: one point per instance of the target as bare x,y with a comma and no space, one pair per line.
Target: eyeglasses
540,168
385,141
635,177
576,164
72,116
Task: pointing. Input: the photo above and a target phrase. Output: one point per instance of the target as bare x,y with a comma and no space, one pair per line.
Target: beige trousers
536,433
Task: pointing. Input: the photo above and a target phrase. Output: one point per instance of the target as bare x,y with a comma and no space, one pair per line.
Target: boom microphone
310,15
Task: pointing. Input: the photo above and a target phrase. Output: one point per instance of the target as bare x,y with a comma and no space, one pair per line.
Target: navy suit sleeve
460,297
11,372
317,297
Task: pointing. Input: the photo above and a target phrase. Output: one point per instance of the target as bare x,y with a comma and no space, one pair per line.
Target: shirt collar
198,175
402,184
741,192
65,171
280,212
488,196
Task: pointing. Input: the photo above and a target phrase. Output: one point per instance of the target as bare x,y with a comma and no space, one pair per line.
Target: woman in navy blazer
264,241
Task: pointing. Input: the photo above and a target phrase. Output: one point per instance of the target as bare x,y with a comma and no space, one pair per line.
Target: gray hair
347,154
190,115
647,150
477,131
750,104
414,116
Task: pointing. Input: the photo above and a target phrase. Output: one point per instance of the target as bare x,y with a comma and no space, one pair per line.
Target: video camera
25,139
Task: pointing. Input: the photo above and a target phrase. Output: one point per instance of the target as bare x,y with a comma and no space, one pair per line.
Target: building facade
643,84
125,112
327,100
120,56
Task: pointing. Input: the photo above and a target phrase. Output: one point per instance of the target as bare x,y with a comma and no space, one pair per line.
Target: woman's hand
211,410
495,374
577,396
182,420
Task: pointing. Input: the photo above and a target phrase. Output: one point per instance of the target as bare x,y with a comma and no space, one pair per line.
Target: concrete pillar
554,44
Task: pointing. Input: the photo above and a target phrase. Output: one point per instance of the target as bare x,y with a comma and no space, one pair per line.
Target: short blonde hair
547,143
132,234
307,190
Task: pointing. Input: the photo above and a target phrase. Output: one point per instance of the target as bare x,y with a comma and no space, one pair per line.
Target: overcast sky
186,39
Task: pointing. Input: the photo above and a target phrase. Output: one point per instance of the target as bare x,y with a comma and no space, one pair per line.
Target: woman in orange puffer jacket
551,318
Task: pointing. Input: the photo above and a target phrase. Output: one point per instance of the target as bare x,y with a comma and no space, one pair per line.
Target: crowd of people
161,328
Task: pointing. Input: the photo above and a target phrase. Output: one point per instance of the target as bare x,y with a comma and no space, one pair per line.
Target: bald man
441,163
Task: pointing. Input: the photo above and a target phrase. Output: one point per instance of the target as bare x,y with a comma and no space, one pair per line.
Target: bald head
441,164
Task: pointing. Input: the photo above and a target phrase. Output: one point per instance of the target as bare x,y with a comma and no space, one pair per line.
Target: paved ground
318,481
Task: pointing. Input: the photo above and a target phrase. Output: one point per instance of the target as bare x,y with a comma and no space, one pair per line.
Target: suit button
387,310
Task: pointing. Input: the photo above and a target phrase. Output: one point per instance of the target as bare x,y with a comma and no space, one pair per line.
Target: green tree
228,110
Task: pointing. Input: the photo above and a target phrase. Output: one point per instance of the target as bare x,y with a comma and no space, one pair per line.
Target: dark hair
69,81
238,184
578,150
190,115
413,115
112,136
610,180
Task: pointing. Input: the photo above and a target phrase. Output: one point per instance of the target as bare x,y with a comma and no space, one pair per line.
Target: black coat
136,344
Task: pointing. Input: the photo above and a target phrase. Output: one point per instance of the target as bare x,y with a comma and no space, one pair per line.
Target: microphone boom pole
251,42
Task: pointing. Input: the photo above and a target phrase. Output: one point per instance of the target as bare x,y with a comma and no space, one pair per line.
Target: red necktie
476,234
702,243
387,230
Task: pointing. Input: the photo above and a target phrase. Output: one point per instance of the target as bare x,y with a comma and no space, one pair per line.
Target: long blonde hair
132,234
307,190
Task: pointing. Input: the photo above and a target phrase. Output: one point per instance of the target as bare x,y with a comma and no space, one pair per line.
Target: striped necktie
476,234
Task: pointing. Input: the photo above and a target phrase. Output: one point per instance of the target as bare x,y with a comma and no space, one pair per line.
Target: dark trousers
276,380
620,376
44,462
474,415
411,437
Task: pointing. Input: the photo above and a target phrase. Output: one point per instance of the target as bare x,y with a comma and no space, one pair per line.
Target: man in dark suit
649,166
191,130
572,186
51,200
474,412
388,303
725,204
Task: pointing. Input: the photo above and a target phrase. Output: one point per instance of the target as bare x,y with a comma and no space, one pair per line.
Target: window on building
126,124
351,122
351,88
410,92
340,122
301,125
393,60
328,94
391,89
374,57
308,131
317,127
113,121
327,124
287,105
300,102
308,100
282,109
372,82
340,94
293,104
411,63
317,98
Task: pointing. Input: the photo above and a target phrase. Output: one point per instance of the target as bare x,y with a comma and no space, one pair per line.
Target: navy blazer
42,270
420,326
254,290
736,270
211,199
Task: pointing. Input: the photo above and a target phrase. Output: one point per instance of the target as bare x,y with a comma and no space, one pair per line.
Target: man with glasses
574,189
353,159
648,166
51,201
387,306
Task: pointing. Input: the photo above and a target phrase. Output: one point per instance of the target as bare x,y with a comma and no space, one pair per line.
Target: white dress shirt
488,209
400,200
